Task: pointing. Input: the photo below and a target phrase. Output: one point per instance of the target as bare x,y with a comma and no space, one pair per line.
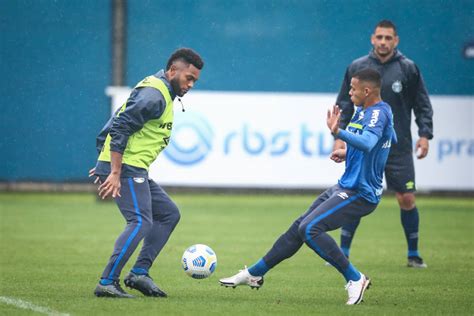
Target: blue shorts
333,209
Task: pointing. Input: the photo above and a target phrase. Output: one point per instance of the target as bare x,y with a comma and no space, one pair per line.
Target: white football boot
243,278
416,262
356,290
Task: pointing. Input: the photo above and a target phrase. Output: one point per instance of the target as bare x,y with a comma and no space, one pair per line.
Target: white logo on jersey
343,195
387,144
379,192
375,118
397,86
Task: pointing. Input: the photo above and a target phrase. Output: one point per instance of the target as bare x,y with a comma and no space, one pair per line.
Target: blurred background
58,58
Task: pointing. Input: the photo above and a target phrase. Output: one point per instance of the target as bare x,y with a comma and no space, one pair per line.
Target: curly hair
186,55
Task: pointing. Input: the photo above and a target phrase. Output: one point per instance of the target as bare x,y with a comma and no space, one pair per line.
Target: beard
383,51
176,88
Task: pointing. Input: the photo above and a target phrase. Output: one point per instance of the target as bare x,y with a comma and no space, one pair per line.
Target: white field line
27,305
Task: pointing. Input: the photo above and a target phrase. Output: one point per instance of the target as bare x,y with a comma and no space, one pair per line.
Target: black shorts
400,173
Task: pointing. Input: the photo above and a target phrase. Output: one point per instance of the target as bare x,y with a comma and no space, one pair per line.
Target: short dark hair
188,56
369,75
388,25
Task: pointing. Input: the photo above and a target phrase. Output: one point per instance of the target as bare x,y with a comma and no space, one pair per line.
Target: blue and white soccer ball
199,261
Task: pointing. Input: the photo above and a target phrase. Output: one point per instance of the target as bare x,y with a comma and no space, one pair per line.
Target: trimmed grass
54,246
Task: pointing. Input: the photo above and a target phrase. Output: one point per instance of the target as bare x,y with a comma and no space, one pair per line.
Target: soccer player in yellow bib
128,144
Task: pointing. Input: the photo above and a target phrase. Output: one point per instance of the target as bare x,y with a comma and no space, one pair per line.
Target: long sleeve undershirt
365,141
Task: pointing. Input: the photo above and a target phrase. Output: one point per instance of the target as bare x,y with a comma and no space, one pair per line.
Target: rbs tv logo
193,140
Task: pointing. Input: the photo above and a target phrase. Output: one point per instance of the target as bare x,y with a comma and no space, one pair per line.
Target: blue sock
140,271
345,251
410,222
347,234
259,268
106,281
351,273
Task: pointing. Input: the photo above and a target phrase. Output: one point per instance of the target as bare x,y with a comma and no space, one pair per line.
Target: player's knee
307,231
172,215
175,216
406,200
140,219
302,230
146,225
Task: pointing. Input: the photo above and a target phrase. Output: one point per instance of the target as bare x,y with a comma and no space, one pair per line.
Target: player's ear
173,69
396,41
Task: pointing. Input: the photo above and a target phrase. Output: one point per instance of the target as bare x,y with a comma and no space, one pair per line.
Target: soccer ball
199,261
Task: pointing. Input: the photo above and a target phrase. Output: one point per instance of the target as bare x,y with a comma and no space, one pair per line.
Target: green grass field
54,246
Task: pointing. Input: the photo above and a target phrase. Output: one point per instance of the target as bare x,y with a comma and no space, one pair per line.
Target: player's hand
92,173
338,144
338,155
333,118
111,185
422,147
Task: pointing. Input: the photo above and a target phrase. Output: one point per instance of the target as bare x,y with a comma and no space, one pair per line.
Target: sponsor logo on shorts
410,185
343,195
139,180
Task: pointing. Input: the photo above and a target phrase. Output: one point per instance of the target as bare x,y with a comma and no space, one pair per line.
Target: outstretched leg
284,247
342,207
287,244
